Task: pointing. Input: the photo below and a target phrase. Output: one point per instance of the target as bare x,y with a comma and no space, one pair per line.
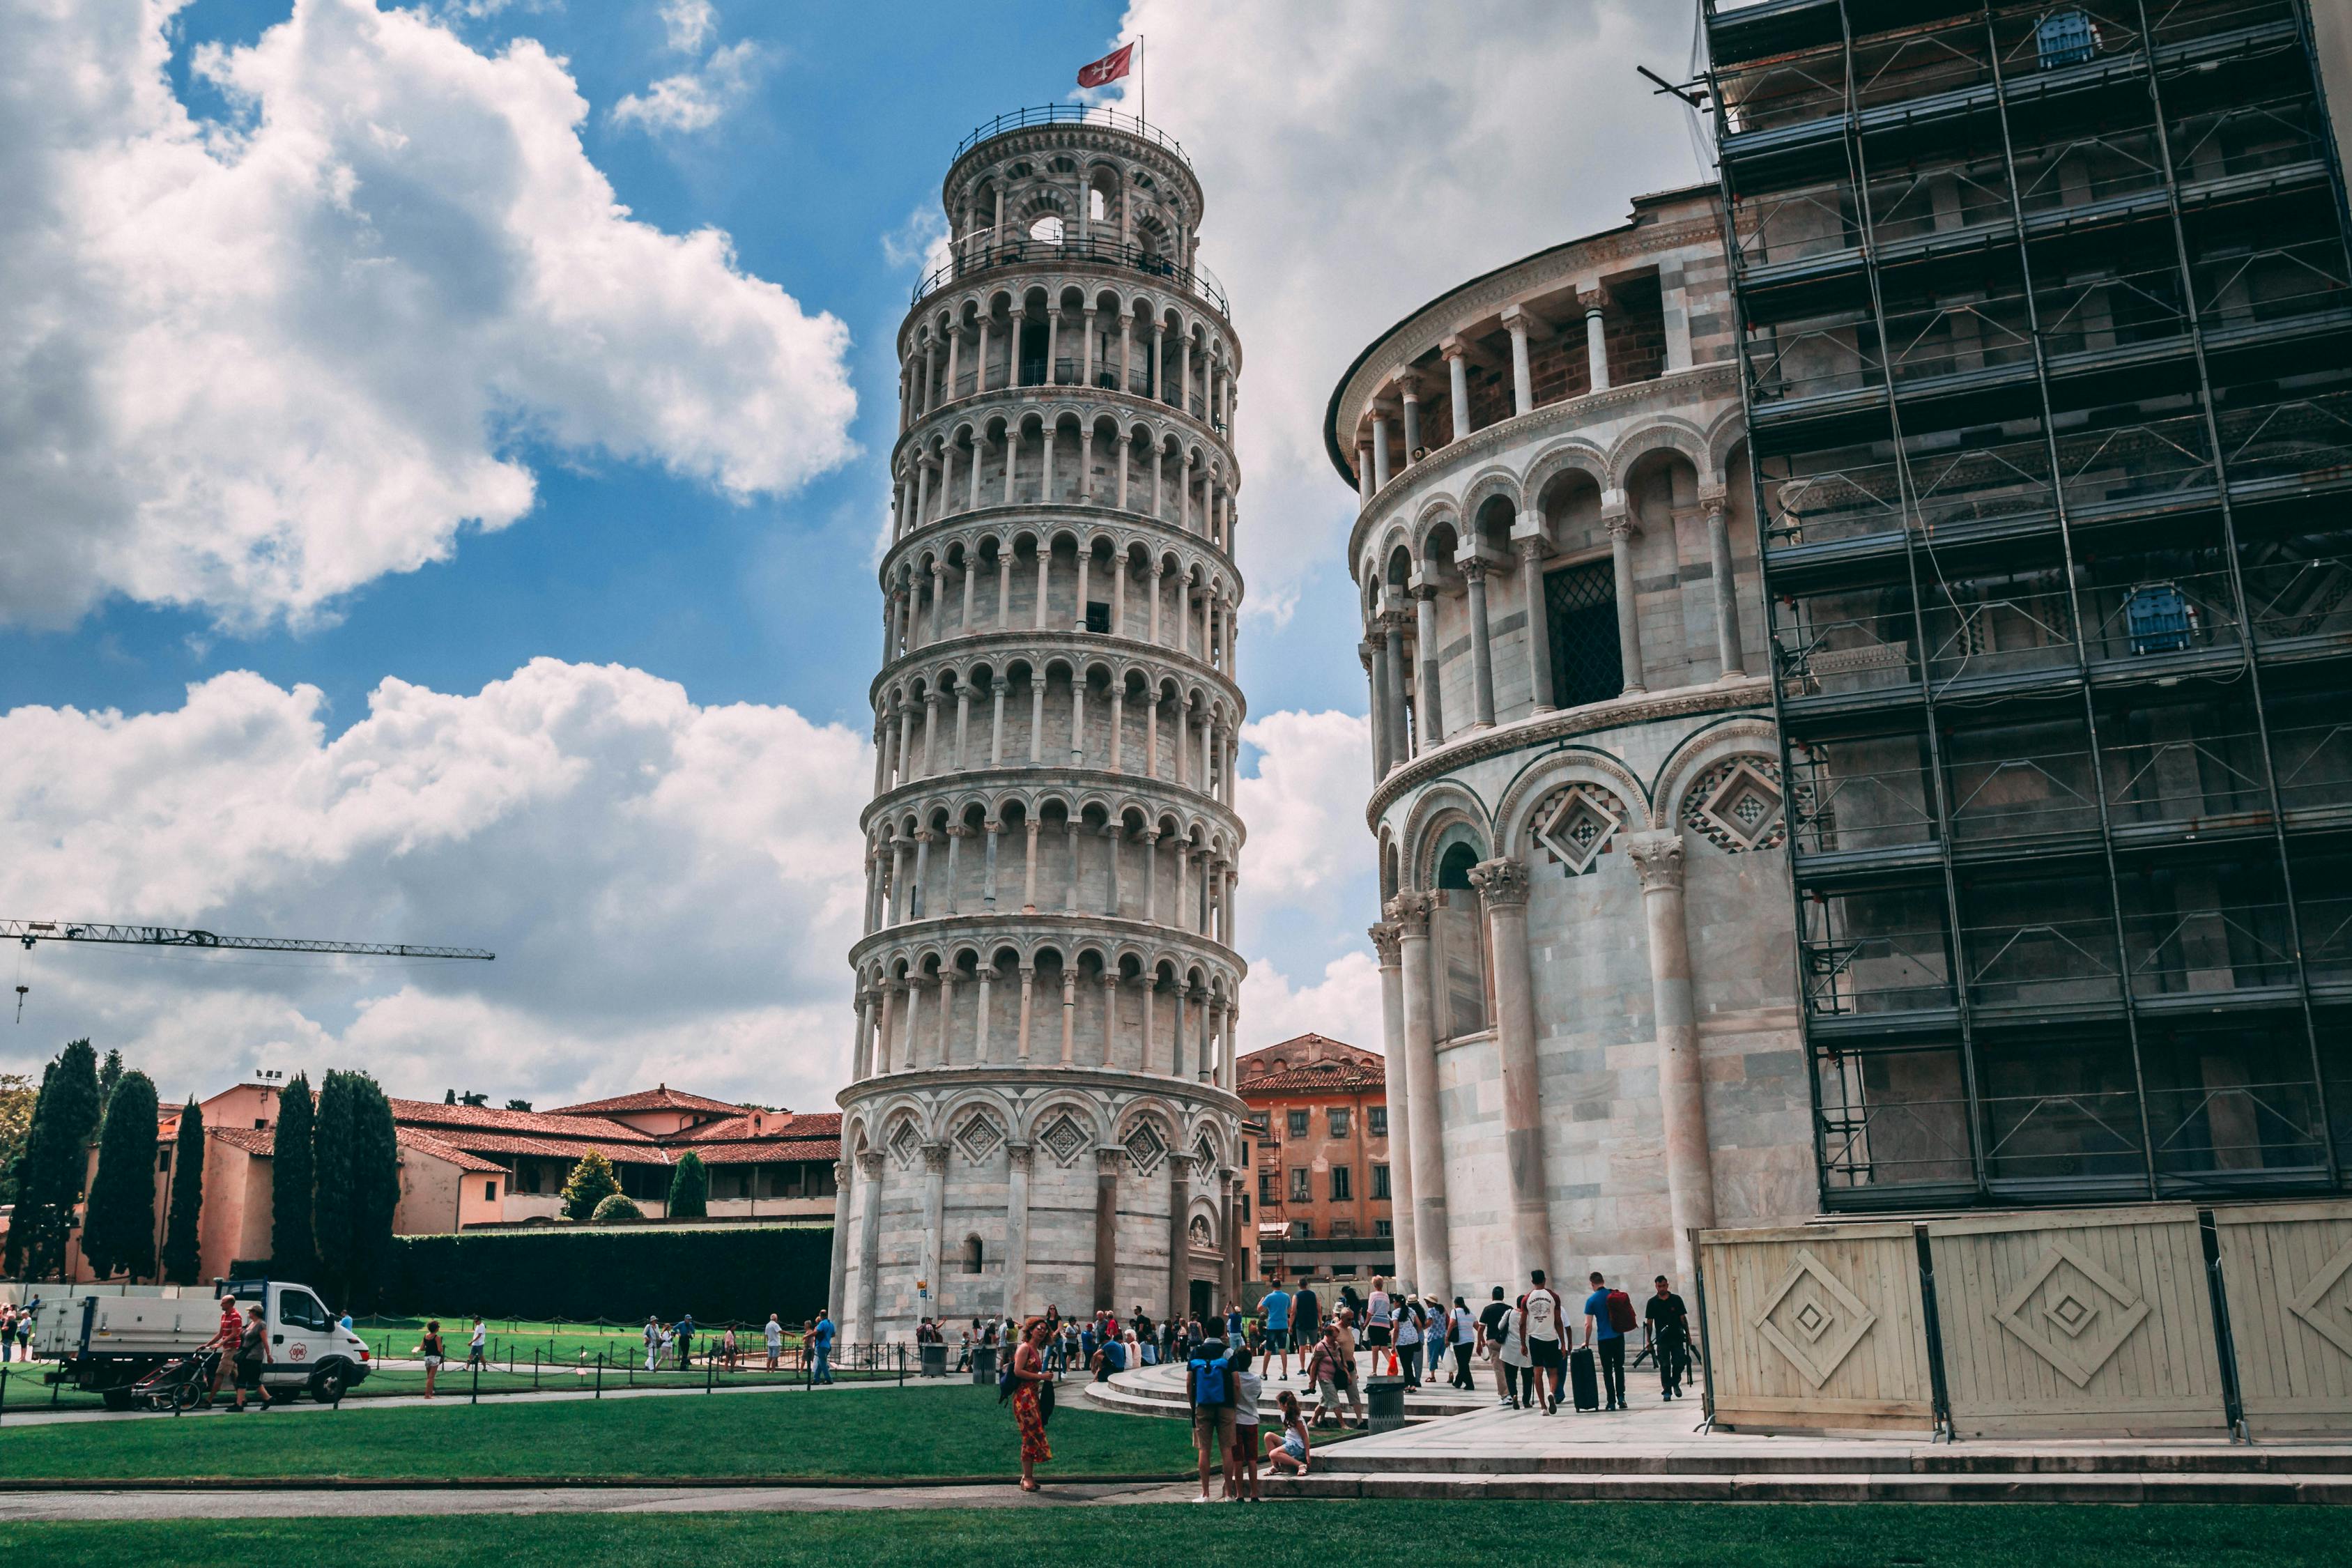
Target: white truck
106,1343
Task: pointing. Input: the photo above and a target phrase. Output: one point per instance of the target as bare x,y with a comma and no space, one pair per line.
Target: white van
106,1343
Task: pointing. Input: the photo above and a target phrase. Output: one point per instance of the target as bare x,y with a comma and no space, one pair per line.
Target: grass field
951,1430
1458,1536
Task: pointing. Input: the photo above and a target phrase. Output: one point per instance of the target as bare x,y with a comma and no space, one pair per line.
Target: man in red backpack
1608,1314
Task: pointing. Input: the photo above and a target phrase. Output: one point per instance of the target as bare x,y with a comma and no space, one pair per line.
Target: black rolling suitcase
1583,1381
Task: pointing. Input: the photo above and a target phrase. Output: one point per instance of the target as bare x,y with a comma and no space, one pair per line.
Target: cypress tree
592,1181
110,1074
689,1188
375,1171
56,1156
182,1243
333,1215
292,1174
21,1184
119,1234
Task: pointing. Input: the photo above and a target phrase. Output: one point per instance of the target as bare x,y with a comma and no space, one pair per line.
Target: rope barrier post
3,1389
600,1374
477,1370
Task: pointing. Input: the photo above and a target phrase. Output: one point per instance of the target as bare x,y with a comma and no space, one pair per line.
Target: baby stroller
178,1385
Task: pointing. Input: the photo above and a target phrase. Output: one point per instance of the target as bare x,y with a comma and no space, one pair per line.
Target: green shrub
618,1206
592,1181
719,1273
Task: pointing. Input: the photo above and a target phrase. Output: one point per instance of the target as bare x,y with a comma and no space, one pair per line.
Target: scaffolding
2045,328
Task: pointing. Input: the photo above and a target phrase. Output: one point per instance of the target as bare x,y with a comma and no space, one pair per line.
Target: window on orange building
1265,1188
1298,1124
1341,1184
1379,1183
1376,1121
1335,1117
1300,1193
1383,1228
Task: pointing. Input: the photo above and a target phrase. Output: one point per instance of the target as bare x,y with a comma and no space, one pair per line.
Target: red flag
1108,68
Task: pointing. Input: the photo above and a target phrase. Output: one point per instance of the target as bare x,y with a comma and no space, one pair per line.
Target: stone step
1698,1461
1170,1405
2140,1486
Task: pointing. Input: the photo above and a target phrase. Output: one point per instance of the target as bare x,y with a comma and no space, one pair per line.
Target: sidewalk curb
513,1483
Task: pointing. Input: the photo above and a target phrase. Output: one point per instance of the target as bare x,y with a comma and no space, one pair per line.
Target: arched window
1457,938
972,1258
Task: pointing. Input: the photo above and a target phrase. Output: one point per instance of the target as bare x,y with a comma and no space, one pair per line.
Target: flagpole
1143,71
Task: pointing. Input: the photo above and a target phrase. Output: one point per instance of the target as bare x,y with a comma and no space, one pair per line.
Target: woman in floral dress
1028,1376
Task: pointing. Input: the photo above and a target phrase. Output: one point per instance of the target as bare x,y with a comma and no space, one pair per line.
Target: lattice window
906,1144
1581,604
979,1137
1577,825
1146,1148
1063,1140
1738,806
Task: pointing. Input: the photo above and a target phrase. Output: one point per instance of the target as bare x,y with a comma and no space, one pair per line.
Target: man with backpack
1540,1317
1209,1389
1608,1314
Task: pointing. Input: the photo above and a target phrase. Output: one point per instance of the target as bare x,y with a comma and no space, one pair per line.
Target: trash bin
934,1361
983,1365
1384,1402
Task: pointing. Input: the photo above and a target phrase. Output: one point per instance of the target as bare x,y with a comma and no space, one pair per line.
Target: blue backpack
1213,1382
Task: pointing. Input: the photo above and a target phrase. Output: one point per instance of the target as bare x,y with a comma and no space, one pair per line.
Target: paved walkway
25,1507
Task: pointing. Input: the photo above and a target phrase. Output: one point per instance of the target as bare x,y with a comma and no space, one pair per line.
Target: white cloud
671,889
921,242
1345,1004
1359,160
1304,808
688,24
698,99
253,367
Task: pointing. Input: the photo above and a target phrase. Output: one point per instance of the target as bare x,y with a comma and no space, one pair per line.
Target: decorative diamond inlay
2092,1313
979,1137
1204,1155
2332,1323
1737,804
1146,1148
1813,1318
905,1144
1577,825
1063,1139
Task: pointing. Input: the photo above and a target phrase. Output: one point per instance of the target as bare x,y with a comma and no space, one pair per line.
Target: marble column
935,1210
1523,381
1016,1233
1375,651
1229,1281
1628,612
1400,746
1408,912
1425,608
1108,1162
1502,887
1531,584
869,1245
836,1290
1727,591
1386,942
1179,1262
1482,647
1690,1175
1457,375
1409,393
1596,338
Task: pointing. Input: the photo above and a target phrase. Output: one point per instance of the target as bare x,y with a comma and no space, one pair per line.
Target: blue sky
271,304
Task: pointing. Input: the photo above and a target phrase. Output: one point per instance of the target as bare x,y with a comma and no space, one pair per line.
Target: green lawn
1619,1535
951,1430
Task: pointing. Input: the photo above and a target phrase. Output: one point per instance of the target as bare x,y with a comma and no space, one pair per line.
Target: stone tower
1040,1110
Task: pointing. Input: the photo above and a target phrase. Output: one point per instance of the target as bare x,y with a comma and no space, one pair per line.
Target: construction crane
31,932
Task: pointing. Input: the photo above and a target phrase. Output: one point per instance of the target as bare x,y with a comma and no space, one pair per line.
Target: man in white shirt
1540,1316
775,1333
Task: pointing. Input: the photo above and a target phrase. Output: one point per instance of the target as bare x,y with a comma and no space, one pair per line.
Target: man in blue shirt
821,1348
1608,1340
1275,1305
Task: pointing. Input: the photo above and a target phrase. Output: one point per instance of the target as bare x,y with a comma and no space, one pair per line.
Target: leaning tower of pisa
1040,1110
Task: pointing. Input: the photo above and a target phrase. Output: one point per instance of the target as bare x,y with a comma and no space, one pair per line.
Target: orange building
1319,1123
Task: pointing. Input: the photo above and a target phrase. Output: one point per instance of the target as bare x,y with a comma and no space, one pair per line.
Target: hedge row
735,1273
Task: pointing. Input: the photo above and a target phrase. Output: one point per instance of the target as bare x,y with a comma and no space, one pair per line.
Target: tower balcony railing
986,250
1072,114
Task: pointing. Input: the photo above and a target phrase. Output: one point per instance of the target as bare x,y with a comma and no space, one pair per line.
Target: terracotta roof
435,1114
770,1124
662,1097
409,1138
640,1153
1311,1076
765,1151
252,1139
